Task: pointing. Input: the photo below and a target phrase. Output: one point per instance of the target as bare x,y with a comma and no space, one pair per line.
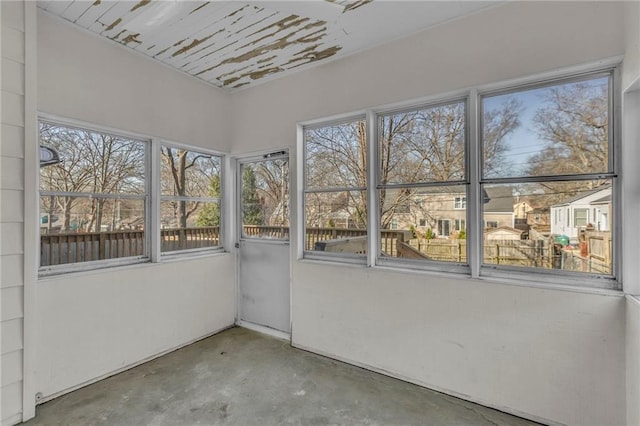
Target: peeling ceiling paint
233,44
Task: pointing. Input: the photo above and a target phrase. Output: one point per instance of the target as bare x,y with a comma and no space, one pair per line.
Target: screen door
264,271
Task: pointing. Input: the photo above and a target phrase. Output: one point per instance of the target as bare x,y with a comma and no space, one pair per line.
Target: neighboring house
445,213
521,209
539,218
498,210
590,209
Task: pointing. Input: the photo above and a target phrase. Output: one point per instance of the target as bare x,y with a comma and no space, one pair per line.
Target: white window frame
44,271
549,275
304,190
462,97
535,277
157,146
152,203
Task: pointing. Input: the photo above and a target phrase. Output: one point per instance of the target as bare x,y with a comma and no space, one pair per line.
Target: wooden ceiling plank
76,10
93,13
180,22
191,26
119,10
249,43
58,7
210,36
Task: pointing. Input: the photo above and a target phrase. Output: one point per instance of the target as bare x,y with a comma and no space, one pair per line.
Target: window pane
552,226
336,222
426,145
82,229
336,156
189,225
561,129
429,226
92,162
265,199
189,173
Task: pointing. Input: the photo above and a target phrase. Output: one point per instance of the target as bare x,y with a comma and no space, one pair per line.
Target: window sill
510,278
178,256
143,263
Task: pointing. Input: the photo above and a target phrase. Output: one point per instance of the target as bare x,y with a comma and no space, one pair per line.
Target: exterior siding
12,121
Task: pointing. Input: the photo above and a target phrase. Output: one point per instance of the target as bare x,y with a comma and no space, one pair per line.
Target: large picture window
556,158
335,200
537,192
93,201
423,179
190,193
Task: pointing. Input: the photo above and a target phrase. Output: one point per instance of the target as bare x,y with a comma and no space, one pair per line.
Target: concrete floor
240,377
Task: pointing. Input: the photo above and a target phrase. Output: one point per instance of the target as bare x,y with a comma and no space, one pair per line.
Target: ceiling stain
349,4
198,8
281,24
113,24
142,3
193,44
131,38
270,58
356,4
233,44
314,56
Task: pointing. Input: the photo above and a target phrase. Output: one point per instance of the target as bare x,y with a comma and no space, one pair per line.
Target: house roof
500,200
584,194
504,228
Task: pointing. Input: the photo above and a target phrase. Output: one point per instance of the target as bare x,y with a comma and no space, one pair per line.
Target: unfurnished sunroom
444,192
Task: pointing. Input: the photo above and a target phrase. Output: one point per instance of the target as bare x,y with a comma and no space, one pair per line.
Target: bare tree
186,174
574,123
420,146
92,163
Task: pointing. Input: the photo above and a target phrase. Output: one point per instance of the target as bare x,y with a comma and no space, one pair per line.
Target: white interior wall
631,205
633,360
87,78
94,323
12,139
546,354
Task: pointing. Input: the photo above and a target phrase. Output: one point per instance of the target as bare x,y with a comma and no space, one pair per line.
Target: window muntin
557,157
93,199
335,201
422,176
190,199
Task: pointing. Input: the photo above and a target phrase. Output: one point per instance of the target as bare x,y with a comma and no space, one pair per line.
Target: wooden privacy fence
506,252
72,247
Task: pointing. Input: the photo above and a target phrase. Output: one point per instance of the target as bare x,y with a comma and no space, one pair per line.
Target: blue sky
524,142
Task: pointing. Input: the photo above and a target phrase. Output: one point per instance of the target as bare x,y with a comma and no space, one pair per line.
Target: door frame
236,161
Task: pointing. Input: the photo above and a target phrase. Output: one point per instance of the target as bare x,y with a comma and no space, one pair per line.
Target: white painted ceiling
233,44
